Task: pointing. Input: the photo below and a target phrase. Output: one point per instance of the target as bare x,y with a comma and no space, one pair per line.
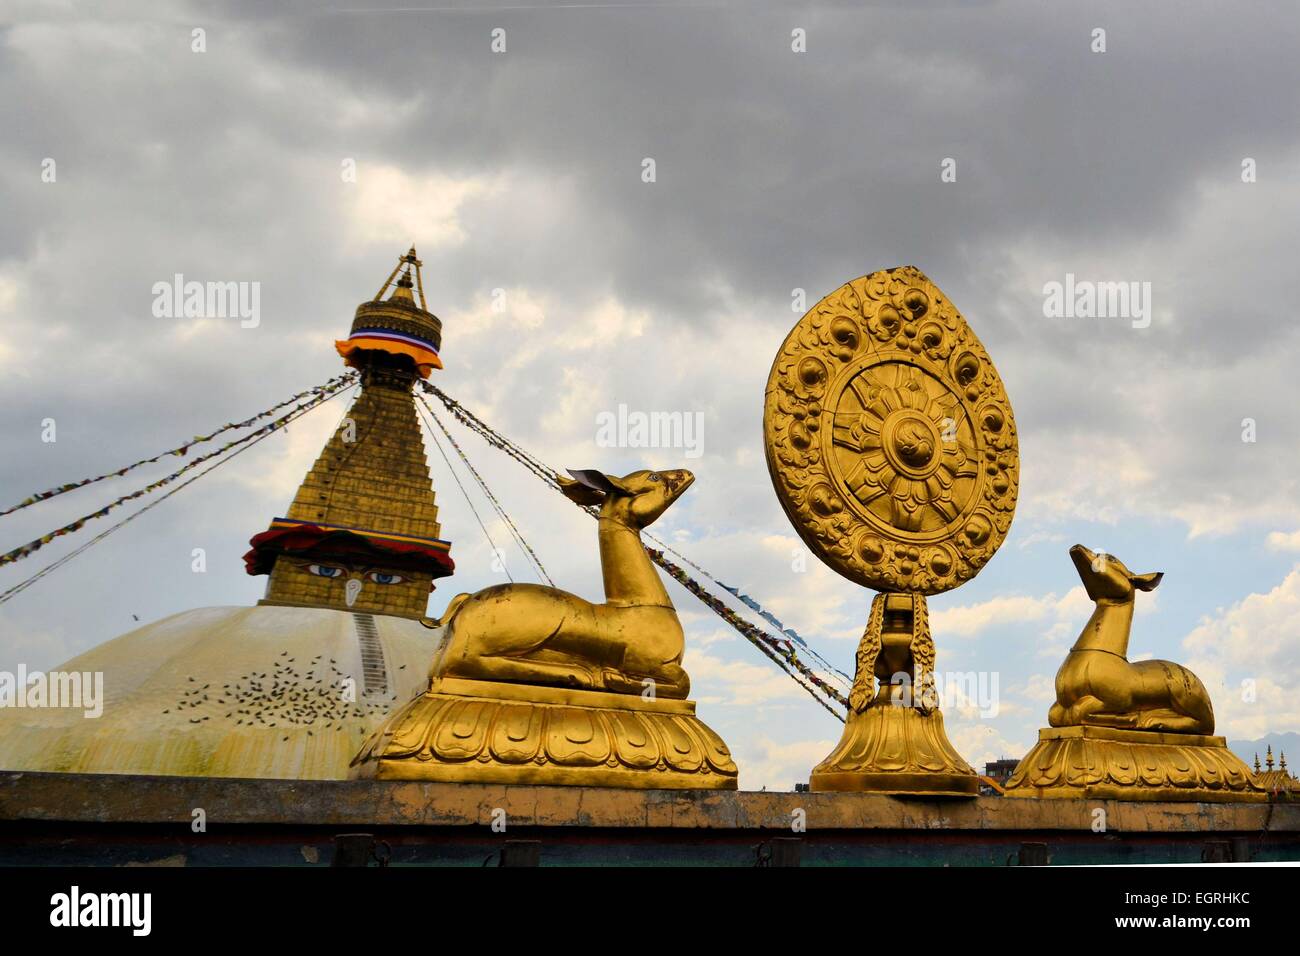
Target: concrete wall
107,819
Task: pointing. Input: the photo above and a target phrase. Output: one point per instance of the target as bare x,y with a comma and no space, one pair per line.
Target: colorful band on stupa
290,536
423,351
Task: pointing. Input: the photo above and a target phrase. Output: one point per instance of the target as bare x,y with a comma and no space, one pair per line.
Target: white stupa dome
266,691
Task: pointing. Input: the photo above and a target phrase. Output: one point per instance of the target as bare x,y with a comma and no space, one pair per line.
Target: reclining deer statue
527,633
1098,685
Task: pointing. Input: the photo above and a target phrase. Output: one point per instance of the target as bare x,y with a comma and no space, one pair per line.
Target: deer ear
1147,582
579,492
590,487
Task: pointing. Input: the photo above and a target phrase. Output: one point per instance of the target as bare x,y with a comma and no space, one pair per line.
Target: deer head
635,500
1106,579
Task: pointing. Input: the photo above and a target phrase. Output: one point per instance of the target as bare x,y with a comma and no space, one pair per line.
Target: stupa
287,689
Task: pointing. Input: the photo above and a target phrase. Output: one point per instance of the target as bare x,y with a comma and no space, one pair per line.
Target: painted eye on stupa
325,570
383,577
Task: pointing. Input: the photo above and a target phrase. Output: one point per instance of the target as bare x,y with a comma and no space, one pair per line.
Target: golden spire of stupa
362,533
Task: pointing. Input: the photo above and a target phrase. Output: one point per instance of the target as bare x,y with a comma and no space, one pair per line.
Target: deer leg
1056,716
1090,710
1177,700
671,682
1163,718
1192,700
1112,720
520,671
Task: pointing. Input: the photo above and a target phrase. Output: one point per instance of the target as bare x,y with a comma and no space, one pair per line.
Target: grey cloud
775,170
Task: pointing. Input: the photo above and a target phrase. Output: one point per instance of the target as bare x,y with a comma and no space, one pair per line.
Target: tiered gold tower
892,447
362,532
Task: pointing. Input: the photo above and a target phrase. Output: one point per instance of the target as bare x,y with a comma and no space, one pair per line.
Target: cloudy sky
775,170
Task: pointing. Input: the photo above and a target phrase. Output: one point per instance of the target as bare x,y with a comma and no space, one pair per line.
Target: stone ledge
113,799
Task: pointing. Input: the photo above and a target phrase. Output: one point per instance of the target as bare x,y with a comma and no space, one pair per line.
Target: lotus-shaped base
1109,764
494,732
895,749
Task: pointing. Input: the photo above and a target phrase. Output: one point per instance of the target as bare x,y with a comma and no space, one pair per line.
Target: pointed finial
405,265
1256,761
413,264
1268,757
1283,753
404,287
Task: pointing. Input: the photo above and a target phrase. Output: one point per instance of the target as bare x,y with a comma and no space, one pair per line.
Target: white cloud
777,765
1035,538
1248,656
741,683
1052,611
1261,630
1284,541
276,468
388,202
1057,485
1040,688
980,742
1059,617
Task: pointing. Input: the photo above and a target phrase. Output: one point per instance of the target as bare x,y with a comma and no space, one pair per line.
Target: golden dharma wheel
890,438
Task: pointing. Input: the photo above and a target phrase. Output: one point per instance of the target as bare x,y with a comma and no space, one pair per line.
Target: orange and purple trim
421,351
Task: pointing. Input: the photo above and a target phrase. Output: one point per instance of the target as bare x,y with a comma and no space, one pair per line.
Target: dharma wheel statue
892,447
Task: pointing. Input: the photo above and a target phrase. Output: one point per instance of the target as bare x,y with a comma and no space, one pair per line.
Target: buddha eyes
330,571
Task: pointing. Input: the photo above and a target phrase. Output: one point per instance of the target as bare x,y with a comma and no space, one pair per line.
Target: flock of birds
323,699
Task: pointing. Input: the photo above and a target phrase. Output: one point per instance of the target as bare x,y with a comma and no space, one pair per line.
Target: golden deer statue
1127,730
532,634
534,685
1098,685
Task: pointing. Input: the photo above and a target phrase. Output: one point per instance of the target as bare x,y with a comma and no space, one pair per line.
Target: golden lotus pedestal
893,740
477,731
895,750
1107,763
